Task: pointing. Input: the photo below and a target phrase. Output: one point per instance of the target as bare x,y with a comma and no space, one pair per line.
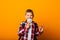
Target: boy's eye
27,15
31,15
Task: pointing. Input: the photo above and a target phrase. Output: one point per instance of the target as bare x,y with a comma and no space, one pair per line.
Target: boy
29,29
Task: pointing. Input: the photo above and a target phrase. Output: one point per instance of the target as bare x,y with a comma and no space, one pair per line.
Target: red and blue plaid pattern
23,32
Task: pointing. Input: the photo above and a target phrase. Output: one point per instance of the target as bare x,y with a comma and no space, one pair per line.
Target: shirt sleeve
20,30
38,31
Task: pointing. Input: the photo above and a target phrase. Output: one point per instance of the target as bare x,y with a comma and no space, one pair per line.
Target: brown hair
29,10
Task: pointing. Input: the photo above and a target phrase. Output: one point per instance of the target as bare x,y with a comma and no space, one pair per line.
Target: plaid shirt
23,32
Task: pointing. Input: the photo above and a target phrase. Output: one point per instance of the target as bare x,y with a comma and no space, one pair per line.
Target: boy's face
29,15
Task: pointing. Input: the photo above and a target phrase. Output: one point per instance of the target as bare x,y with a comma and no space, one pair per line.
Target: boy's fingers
41,28
27,26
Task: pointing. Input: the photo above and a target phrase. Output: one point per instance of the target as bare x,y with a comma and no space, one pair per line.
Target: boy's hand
27,26
41,28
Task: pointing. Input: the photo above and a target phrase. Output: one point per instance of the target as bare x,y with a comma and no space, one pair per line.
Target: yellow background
46,12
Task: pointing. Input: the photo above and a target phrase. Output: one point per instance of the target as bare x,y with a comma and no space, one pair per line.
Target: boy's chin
30,18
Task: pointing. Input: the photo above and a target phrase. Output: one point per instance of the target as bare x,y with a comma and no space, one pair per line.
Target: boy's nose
29,17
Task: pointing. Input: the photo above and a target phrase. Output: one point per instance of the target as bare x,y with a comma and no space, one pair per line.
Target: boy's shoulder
22,22
34,22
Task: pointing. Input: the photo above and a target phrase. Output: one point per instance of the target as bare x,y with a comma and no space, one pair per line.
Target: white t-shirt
29,33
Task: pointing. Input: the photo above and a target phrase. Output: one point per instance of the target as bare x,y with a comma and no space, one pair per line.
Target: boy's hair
29,10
